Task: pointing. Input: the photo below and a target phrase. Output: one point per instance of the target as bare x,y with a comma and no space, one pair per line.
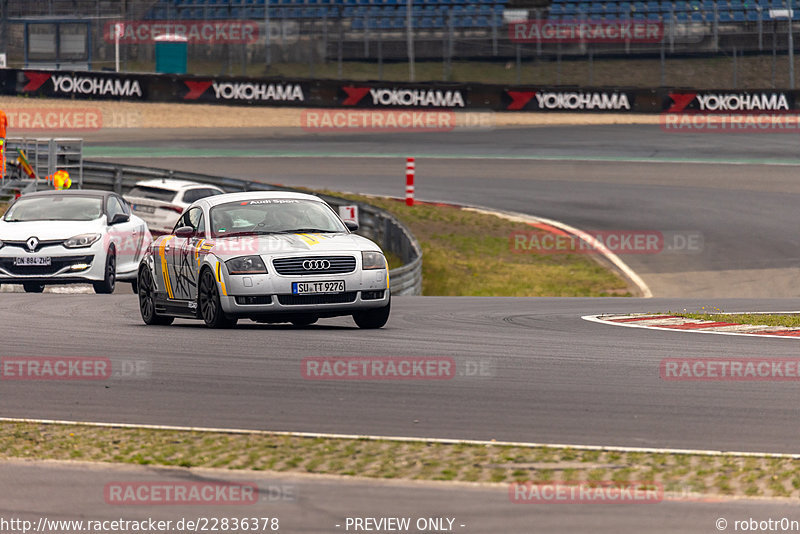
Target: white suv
161,202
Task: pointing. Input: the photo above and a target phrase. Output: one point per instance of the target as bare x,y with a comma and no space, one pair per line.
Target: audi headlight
372,260
82,240
246,265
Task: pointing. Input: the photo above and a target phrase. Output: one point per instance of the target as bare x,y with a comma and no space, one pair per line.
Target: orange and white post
3,127
410,181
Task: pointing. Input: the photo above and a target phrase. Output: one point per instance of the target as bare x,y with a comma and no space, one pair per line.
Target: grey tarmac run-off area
316,504
556,378
609,177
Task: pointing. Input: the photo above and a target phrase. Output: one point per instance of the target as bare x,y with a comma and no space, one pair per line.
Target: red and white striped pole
410,181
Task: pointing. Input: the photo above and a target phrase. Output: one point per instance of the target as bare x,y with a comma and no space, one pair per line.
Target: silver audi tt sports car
271,257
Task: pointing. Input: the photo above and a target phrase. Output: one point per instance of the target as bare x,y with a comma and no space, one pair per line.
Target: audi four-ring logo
316,265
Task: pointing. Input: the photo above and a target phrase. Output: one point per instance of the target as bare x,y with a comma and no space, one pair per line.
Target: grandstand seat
597,8
738,16
682,17
724,16
696,16
653,17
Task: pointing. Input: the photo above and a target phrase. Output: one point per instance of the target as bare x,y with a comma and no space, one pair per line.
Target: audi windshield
55,208
273,216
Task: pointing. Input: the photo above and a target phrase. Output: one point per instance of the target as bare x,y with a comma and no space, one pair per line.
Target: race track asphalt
548,375
738,192
317,504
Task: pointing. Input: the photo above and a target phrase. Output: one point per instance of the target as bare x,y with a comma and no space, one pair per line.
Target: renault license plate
33,260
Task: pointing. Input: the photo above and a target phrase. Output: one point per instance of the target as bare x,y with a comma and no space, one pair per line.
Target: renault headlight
82,240
372,260
246,265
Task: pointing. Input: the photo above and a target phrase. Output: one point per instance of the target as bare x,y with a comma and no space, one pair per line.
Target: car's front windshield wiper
307,231
236,234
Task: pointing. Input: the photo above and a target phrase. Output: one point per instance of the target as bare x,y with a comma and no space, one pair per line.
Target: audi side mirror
351,225
184,231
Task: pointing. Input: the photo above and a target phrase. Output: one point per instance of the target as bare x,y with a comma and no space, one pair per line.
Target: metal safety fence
700,43
374,223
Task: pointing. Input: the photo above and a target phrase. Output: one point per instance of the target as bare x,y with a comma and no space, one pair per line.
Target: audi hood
229,247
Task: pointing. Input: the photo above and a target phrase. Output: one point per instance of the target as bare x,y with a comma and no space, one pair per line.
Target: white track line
629,273
589,239
406,439
597,319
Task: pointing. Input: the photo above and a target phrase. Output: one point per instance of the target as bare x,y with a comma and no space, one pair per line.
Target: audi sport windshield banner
388,95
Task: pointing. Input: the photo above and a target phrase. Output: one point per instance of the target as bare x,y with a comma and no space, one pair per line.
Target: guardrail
374,223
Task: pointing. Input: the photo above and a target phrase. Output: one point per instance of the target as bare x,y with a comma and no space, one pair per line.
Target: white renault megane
64,237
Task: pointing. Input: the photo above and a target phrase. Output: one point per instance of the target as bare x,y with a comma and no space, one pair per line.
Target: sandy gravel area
40,114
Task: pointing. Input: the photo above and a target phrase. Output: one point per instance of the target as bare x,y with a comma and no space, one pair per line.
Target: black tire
147,300
109,282
209,305
305,320
33,287
375,318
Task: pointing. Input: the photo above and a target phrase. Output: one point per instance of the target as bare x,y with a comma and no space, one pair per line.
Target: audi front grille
333,298
314,265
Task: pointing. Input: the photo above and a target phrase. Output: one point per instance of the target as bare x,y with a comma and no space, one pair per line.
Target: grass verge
470,254
682,474
766,319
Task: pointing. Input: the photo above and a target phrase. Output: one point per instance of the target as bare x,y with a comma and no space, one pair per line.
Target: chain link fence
700,45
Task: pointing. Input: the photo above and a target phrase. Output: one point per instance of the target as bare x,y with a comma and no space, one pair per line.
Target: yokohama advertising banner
569,99
87,85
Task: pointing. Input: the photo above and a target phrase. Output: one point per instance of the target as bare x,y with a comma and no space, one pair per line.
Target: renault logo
316,265
32,243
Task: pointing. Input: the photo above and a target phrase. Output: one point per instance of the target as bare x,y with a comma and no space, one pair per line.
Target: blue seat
357,24
483,22
696,16
738,16
725,16
597,8
653,17
682,16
